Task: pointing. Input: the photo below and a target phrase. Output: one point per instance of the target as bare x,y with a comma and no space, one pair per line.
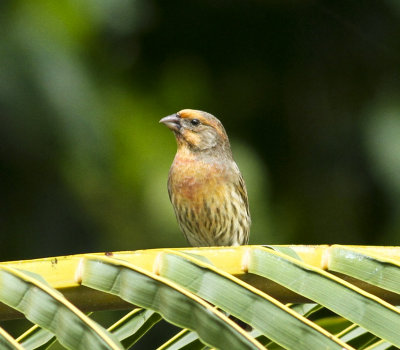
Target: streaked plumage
205,185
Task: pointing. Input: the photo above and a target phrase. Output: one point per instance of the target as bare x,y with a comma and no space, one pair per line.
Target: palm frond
294,297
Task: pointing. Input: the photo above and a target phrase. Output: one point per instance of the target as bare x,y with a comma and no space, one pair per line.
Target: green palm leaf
174,303
358,306
49,309
245,302
7,342
196,289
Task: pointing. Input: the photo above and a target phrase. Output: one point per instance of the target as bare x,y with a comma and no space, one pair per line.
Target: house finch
205,186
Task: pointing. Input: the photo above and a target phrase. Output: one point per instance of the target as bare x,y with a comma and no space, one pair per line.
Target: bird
205,186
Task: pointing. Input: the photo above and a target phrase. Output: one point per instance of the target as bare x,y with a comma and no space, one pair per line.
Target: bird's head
197,130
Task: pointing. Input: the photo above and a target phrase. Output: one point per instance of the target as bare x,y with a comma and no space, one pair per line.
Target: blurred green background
308,92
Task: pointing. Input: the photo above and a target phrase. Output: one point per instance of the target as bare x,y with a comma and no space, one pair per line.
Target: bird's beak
172,122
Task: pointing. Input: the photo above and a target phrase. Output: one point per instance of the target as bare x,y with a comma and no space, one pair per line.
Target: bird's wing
243,193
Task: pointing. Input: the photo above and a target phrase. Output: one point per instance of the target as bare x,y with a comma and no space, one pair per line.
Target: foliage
196,290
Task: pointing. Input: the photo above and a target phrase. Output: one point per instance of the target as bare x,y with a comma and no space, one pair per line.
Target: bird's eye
195,122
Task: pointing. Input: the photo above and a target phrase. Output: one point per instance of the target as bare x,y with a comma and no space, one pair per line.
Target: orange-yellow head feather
198,130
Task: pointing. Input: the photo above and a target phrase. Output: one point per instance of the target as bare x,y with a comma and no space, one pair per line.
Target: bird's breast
193,180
